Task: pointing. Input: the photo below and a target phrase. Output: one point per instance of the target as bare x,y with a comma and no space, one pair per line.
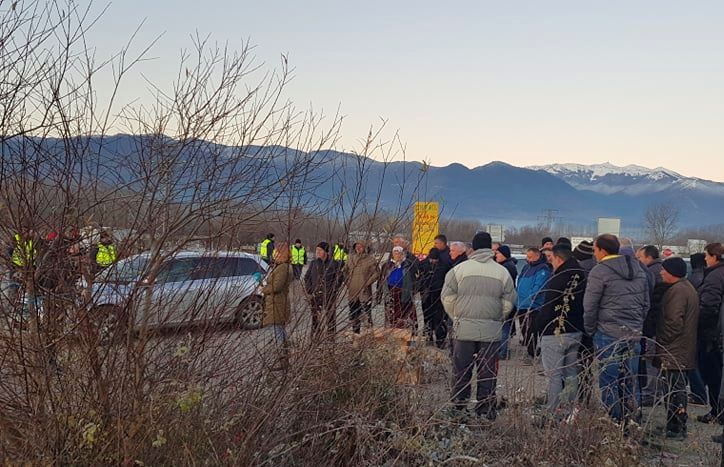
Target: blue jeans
619,365
507,327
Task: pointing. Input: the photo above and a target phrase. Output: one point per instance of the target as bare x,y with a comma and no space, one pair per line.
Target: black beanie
324,246
565,241
546,240
434,253
482,240
504,250
675,266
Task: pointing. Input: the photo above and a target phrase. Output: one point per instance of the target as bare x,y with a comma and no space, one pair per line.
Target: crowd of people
650,325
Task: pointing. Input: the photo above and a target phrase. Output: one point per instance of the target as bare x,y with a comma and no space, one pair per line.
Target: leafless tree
661,221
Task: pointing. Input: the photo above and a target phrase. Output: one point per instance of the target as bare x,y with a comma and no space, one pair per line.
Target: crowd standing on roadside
645,330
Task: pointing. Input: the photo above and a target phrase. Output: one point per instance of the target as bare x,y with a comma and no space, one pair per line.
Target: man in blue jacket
531,295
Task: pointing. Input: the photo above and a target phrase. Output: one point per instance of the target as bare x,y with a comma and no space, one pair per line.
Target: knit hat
583,251
434,253
324,246
504,250
546,240
565,241
675,266
482,240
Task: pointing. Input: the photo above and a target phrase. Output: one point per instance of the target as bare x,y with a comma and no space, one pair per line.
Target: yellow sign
425,227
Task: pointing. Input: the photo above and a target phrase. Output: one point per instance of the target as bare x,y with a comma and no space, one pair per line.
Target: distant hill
493,193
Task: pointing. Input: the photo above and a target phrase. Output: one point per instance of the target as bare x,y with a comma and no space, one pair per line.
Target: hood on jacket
541,260
624,266
482,255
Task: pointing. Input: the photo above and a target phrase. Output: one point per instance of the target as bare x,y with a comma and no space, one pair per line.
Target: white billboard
609,225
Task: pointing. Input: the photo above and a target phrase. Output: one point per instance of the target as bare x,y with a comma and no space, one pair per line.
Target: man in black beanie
478,294
676,342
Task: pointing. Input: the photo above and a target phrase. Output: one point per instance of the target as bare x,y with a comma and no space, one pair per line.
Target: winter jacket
460,259
361,271
323,279
477,294
654,313
587,265
510,265
677,327
617,298
530,282
655,269
710,304
276,296
696,277
432,276
446,260
409,274
562,311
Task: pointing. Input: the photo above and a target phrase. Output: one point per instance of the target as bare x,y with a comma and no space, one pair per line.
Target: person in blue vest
531,294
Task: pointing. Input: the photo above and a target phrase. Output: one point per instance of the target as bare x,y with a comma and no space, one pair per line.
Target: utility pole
548,218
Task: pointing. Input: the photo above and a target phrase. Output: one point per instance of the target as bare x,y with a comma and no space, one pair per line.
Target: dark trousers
675,400
483,356
710,368
529,331
297,271
697,386
358,308
322,308
436,326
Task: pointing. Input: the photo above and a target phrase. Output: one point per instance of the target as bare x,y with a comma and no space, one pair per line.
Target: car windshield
126,271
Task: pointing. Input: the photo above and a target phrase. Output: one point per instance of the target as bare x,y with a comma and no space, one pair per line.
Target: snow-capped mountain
630,180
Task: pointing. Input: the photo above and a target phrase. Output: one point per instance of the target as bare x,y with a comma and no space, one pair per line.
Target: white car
189,288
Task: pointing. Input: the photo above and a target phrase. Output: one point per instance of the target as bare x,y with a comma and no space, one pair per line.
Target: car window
214,268
247,267
177,270
126,271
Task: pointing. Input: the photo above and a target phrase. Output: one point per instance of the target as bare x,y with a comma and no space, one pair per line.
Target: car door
171,292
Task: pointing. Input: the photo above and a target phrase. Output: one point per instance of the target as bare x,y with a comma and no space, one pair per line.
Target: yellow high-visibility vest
298,255
106,255
24,252
339,254
264,248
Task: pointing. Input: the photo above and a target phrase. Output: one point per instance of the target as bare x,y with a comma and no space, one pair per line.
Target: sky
525,82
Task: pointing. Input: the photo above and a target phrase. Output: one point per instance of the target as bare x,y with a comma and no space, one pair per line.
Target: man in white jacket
477,295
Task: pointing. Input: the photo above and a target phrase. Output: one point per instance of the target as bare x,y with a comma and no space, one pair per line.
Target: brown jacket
276,296
677,327
361,271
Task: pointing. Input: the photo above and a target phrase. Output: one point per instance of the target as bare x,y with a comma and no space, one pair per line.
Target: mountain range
497,192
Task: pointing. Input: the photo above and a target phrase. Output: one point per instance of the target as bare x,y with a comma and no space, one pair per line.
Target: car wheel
250,312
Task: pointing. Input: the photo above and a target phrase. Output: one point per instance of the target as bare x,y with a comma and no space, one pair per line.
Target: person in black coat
560,324
432,273
322,283
504,257
709,341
